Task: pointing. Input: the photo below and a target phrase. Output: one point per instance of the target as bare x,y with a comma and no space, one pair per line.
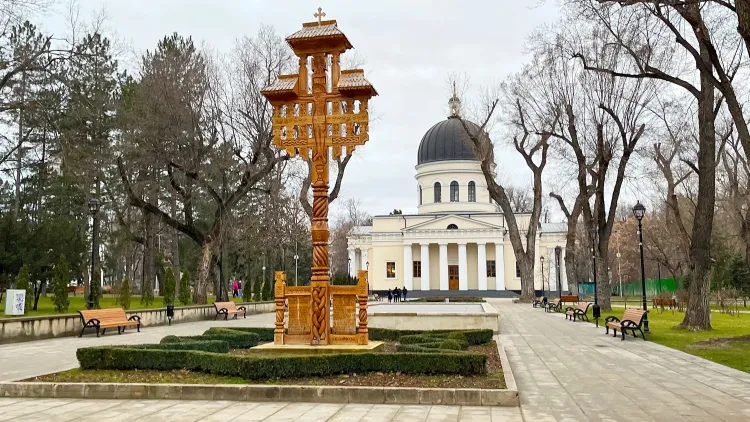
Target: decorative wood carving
362,336
302,125
279,295
344,314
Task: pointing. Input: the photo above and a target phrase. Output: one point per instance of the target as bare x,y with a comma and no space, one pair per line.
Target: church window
518,270
437,192
452,227
491,269
417,269
420,195
390,269
454,191
472,192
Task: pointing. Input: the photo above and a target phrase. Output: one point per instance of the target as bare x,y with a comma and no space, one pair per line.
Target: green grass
732,354
46,307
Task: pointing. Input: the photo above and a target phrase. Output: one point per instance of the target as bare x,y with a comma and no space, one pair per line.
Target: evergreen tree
124,295
185,288
247,293
22,283
268,290
169,286
256,291
60,281
147,292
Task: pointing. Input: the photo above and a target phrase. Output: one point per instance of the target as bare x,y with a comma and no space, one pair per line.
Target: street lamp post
367,266
541,260
94,210
349,267
619,267
296,258
639,210
596,309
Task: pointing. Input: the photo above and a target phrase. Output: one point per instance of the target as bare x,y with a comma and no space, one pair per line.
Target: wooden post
362,336
279,294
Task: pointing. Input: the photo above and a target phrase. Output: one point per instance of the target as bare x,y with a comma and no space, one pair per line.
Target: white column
499,267
463,267
563,272
537,271
425,266
482,265
443,266
352,262
552,270
408,264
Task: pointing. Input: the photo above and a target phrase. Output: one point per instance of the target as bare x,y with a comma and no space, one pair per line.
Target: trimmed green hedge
253,368
214,346
233,337
471,337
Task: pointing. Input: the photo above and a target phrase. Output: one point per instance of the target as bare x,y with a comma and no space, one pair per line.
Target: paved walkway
572,371
171,410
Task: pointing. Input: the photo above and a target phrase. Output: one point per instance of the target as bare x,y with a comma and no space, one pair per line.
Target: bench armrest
92,322
627,323
221,311
242,308
570,308
612,318
135,317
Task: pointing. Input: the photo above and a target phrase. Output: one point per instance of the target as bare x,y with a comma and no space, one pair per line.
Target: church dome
447,141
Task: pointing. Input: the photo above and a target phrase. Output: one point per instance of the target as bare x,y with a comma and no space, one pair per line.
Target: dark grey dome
446,141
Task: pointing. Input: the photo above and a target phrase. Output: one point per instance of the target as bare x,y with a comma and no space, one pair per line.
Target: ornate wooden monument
320,111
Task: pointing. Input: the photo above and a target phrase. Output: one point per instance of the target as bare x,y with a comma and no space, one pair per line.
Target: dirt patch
720,342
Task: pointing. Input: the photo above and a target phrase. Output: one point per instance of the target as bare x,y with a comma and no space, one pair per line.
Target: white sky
410,48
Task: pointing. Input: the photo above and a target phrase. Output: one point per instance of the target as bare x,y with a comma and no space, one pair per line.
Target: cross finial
321,14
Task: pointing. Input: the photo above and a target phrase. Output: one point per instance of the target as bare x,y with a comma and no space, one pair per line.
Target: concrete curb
510,380
263,393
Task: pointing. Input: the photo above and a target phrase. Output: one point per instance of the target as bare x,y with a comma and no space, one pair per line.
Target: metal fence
653,287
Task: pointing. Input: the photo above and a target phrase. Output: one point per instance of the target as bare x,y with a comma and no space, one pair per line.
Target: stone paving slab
201,410
572,371
33,358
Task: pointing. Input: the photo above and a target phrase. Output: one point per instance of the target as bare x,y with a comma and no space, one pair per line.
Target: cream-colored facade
458,239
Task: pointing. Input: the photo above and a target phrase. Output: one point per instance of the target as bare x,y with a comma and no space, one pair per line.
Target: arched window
454,191
420,195
437,192
452,227
472,192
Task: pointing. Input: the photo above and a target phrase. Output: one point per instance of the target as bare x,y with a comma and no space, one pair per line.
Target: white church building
458,239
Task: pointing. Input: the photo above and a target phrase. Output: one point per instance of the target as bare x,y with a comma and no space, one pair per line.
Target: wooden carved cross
320,14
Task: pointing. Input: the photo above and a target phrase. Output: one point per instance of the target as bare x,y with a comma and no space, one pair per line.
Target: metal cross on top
318,112
319,15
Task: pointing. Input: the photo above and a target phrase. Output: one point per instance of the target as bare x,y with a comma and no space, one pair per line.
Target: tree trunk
175,245
200,296
148,254
570,267
698,313
526,265
602,277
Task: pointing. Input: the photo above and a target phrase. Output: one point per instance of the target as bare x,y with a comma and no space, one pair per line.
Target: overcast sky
410,48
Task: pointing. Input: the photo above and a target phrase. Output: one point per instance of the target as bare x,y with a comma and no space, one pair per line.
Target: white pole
296,258
619,268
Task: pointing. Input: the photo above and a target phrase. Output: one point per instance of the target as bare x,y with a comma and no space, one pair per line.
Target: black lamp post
349,267
544,292
558,253
596,309
367,266
639,211
94,210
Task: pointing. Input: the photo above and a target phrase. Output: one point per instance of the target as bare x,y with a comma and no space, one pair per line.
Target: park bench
555,305
569,299
632,320
539,302
579,312
108,318
229,308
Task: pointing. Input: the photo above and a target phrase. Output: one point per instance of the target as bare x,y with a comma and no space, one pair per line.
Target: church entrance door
453,277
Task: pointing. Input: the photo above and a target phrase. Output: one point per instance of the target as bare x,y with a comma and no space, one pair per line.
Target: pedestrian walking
404,293
390,296
235,288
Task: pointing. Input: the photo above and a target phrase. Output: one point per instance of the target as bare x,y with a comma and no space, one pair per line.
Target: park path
572,371
33,358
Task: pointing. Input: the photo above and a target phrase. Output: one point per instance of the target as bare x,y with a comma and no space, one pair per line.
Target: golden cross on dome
321,14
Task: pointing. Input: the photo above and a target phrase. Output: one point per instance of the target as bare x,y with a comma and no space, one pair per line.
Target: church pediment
455,222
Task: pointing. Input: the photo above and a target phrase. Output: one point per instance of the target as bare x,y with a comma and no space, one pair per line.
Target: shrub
235,338
60,281
268,290
170,339
264,334
256,291
472,337
213,346
169,286
123,296
253,368
247,293
184,295
22,283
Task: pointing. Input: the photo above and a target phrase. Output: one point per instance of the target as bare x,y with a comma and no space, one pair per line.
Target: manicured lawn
734,354
46,307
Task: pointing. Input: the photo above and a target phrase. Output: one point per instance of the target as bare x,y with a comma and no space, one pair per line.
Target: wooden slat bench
632,320
555,305
579,312
108,318
569,299
229,308
538,302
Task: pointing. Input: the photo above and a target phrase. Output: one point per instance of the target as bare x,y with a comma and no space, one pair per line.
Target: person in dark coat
390,295
397,292
404,292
